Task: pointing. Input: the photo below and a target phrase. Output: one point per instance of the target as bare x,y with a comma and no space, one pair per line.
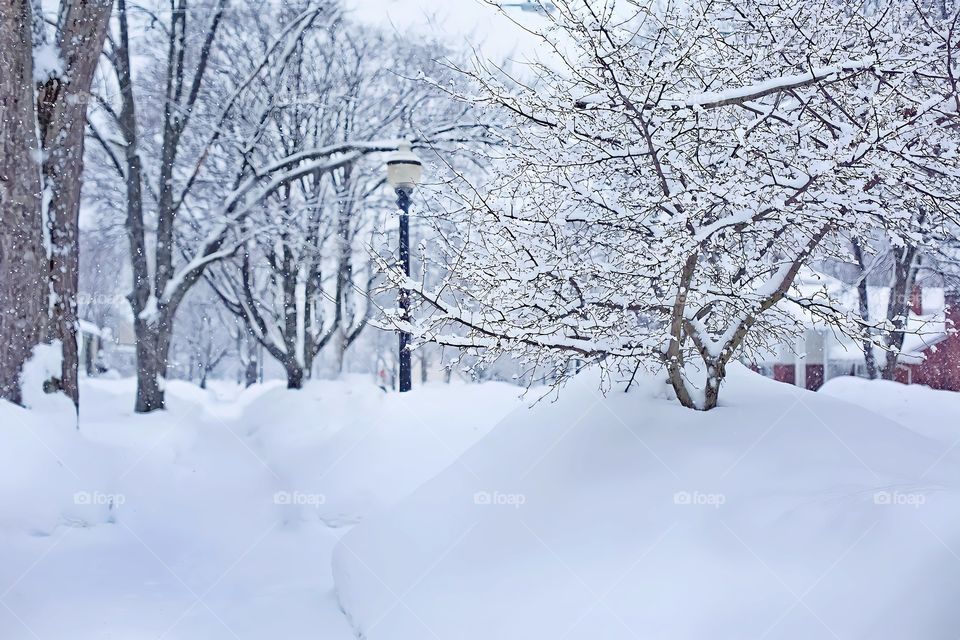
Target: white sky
457,22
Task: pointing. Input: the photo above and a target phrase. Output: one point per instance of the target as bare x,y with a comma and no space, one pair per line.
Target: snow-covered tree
898,265
182,134
302,282
671,167
159,127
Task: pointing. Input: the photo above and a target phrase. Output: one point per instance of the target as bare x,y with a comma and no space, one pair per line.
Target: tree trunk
898,307
863,294
62,170
153,348
424,366
294,374
679,384
250,373
340,347
251,363
23,260
88,353
62,118
716,373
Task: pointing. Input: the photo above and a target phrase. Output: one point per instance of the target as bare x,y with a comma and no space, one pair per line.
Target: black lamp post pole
403,202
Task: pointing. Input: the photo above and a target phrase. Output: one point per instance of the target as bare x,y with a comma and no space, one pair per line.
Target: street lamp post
403,173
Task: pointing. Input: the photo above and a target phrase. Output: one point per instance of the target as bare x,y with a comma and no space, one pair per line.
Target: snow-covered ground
933,413
782,514
217,518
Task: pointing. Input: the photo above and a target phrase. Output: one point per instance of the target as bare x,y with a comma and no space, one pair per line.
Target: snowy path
221,508
137,585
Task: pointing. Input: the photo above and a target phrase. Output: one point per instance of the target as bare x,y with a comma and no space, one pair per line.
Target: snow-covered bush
669,168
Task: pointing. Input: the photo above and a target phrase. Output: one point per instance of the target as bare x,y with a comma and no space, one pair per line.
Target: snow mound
360,449
930,412
627,516
42,460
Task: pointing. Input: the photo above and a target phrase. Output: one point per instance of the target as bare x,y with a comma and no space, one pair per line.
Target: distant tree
181,138
204,338
303,280
897,267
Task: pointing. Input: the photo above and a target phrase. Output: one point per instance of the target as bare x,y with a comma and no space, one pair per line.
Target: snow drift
781,514
930,412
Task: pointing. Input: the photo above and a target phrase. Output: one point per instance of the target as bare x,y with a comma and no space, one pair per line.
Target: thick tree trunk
153,348
65,255
716,373
151,365
62,118
676,379
23,260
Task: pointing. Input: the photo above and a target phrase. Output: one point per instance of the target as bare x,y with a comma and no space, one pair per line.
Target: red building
936,363
930,354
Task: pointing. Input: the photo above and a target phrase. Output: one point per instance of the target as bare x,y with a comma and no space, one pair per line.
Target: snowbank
370,448
781,514
930,412
216,518
42,460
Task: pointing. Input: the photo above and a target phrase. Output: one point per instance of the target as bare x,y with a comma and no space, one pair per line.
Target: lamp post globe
404,170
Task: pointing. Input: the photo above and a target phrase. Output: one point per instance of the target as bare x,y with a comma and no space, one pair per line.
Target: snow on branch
782,84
